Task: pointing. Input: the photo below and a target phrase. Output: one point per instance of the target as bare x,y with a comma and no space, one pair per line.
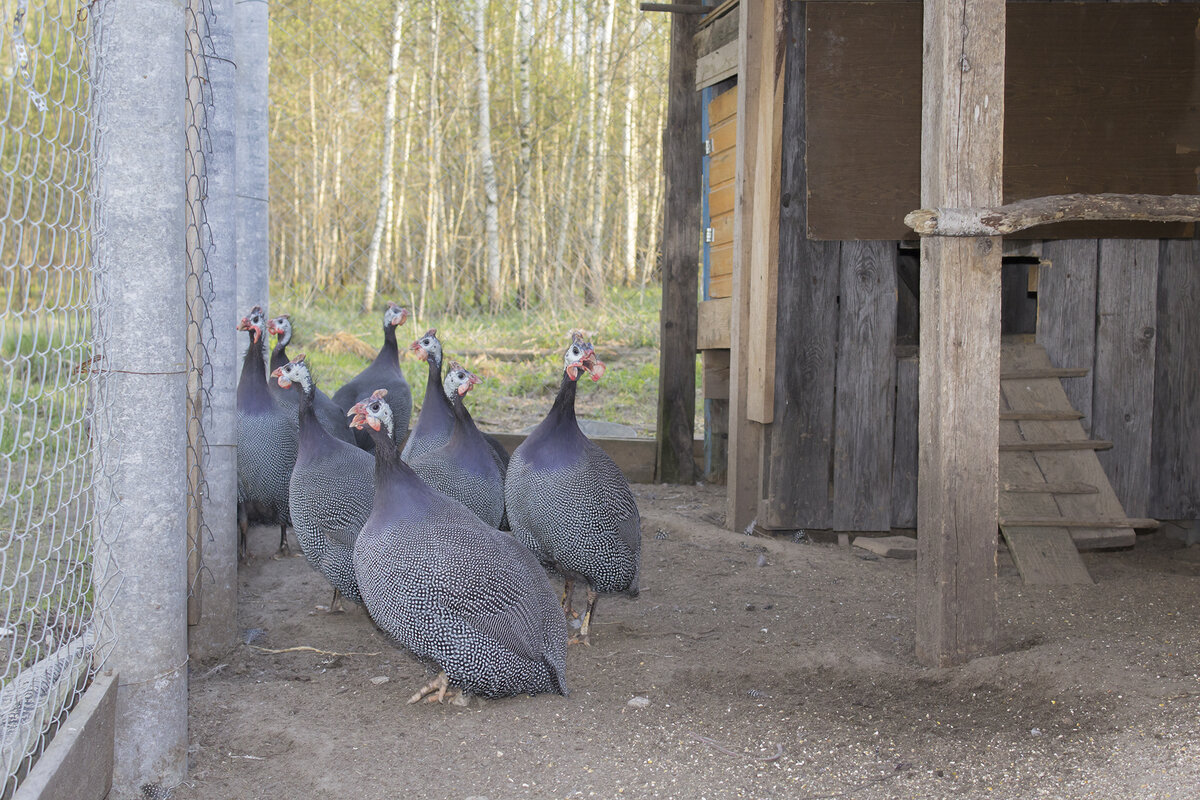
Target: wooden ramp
1054,496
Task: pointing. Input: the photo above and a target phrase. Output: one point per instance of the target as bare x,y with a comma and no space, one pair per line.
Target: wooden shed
820,125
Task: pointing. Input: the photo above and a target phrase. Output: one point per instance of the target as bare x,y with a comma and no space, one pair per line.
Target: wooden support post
682,154
758,38
961,166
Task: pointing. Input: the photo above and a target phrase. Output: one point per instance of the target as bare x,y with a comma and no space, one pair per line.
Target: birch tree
594,286
389,150
487,167
525,163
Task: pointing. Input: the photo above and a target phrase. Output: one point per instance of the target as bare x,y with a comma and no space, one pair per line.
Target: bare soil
749,667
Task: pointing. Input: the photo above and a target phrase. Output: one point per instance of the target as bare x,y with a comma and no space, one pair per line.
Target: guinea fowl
570,504
331,490
331,416
435,422
384,372
466,597
465,468
266,443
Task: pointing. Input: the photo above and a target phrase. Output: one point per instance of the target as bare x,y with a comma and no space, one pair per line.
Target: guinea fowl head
459,380
373,412
281,326
428,346
580,357
395,315
295,371
254,322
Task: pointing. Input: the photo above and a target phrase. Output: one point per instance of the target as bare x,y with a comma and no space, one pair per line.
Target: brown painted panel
723,135
723,106
722,227
720,286
1099,97
720,261
721,167
720,201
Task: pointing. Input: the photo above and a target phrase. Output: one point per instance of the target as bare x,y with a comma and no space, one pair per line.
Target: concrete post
253,248
139,318
217,631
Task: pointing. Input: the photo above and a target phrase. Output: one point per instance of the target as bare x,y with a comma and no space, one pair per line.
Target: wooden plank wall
796,478
1066,324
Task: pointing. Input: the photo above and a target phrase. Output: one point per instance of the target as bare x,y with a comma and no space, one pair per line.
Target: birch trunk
405,160
432,203
594,286
487,167
650,259
628,154
525,167
389,149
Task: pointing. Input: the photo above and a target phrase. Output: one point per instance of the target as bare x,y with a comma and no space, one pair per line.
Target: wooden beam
1024,214
961,166
763,266
1044,416
745,436
1048,372
1080,444
675,8
682,153
1062,522
1070,487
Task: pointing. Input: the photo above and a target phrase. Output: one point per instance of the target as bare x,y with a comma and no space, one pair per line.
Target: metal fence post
139,266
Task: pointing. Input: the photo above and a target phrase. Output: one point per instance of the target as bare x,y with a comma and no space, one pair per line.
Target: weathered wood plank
716,440
763,264
1045,556
1143,523
1175,476
1042,487
675,461
1047,445
1023,214
1123,401
723,107
1042,372
797,483
744,463
1041,415
715,379
78,762
712,332
866,380
961,165
716,66
1067,313
904,457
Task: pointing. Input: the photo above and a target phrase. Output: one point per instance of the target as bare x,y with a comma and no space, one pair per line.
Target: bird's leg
438,690
565,600
335,605
243,523
284,549
582,636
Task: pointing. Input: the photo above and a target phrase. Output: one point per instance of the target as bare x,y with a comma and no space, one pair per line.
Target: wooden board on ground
1062,471
1045,556
888,546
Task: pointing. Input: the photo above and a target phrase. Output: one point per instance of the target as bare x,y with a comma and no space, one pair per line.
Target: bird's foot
580,638
438,691
284,551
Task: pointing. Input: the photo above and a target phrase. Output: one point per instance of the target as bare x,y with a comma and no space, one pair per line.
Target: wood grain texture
904,453
1066,324
716,66
798,481
1175,477
715,380
713,324
682,152
961,163
763,264
866,381
1123,401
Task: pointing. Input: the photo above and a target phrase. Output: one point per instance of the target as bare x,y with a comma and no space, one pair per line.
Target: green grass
518,354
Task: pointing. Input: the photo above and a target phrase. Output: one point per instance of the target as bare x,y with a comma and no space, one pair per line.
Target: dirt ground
749,667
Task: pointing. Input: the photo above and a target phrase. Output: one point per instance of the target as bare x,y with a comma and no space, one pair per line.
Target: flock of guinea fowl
445,539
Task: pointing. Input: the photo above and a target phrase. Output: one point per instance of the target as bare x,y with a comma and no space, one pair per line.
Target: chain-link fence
49,469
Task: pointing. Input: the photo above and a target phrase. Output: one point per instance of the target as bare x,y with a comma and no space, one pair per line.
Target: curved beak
419,351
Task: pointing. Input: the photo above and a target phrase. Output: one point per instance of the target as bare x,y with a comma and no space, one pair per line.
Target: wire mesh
50,470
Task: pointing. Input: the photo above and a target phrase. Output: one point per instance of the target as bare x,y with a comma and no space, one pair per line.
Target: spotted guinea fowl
332,417
435,422
465,467
266,442
384,372
330,491
570,504
458,594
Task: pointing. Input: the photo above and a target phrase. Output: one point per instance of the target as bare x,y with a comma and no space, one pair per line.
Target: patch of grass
518,354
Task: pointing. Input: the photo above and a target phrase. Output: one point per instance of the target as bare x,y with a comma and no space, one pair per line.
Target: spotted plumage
458,594
465,467
331,416
569,503
266,442
331,488
384,372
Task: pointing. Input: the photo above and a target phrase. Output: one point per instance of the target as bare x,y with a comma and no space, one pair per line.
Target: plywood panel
1175,492
866,362
1118,77
1123,402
